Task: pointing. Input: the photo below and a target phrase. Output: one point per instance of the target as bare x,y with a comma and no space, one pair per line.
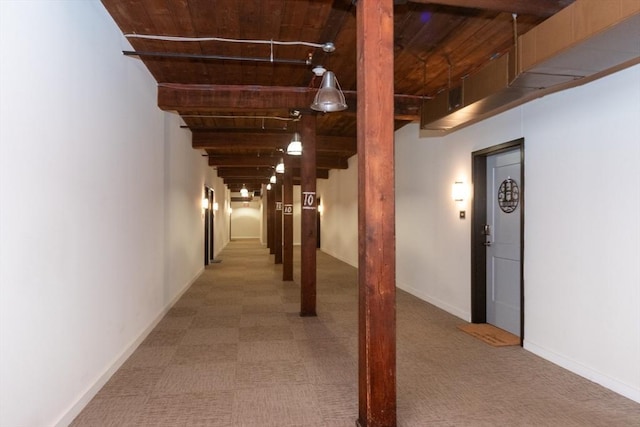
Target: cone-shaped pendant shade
329,97
295,147
280,167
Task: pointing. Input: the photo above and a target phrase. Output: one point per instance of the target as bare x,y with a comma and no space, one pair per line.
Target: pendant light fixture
244,192
268,186
295,146
329,97
273,179
280,166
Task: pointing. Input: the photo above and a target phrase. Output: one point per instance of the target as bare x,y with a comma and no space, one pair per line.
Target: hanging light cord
327,47
515,40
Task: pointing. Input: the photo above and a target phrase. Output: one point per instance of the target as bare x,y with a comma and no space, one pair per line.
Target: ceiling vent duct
586,40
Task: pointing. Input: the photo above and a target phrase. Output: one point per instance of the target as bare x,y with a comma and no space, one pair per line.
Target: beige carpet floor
234,352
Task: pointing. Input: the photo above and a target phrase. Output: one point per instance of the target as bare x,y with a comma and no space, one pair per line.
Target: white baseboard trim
339,258
89,394
466,316
220,250
604,380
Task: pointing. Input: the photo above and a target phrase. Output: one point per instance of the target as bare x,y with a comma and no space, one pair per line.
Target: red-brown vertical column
376,215
271,207
308,217
287,219
277,228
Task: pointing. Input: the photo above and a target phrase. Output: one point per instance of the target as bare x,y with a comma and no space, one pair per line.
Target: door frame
211,195
478,219
208,227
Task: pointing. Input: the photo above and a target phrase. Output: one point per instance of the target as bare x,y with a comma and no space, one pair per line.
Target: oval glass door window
508,195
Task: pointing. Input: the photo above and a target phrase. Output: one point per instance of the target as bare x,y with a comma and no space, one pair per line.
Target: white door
503,240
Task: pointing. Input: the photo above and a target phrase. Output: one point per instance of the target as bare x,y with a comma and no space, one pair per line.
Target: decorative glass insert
508,195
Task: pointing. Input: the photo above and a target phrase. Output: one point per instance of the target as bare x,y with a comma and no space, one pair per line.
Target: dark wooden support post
271,207
376,215
308,217
287,215
277,229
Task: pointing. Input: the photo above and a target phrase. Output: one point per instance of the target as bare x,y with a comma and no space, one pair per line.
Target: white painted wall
339,220
582,233
221,217
432,242
184,180
297,215
100,220
582,230
263,214
246,220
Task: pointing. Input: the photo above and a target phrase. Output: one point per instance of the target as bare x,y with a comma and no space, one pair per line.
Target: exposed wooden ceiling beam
323,162
228,172
544,8
252,184
407,107
193,98
266,140
259,173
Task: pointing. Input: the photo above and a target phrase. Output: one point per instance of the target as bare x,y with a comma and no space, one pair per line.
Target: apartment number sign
508,195
309,200
278,206
288,209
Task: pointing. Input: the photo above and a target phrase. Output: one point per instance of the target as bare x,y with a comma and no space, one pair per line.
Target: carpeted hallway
234,352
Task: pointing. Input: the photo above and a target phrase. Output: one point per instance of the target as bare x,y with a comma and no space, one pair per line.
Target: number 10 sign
308,200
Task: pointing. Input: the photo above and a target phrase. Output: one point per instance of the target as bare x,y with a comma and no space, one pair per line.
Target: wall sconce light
320,209
273,179
269,186
329,97
295,146
244,192
216,206
280,167
459,191
205,203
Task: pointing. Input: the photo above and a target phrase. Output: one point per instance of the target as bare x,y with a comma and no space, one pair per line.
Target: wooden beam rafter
202,98
323,162
267,140
543,8
260,173
251,183
238,172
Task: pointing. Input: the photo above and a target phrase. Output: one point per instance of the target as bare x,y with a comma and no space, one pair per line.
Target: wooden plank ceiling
239,110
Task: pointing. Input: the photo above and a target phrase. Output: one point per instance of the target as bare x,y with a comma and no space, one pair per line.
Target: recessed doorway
209,217
497,237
